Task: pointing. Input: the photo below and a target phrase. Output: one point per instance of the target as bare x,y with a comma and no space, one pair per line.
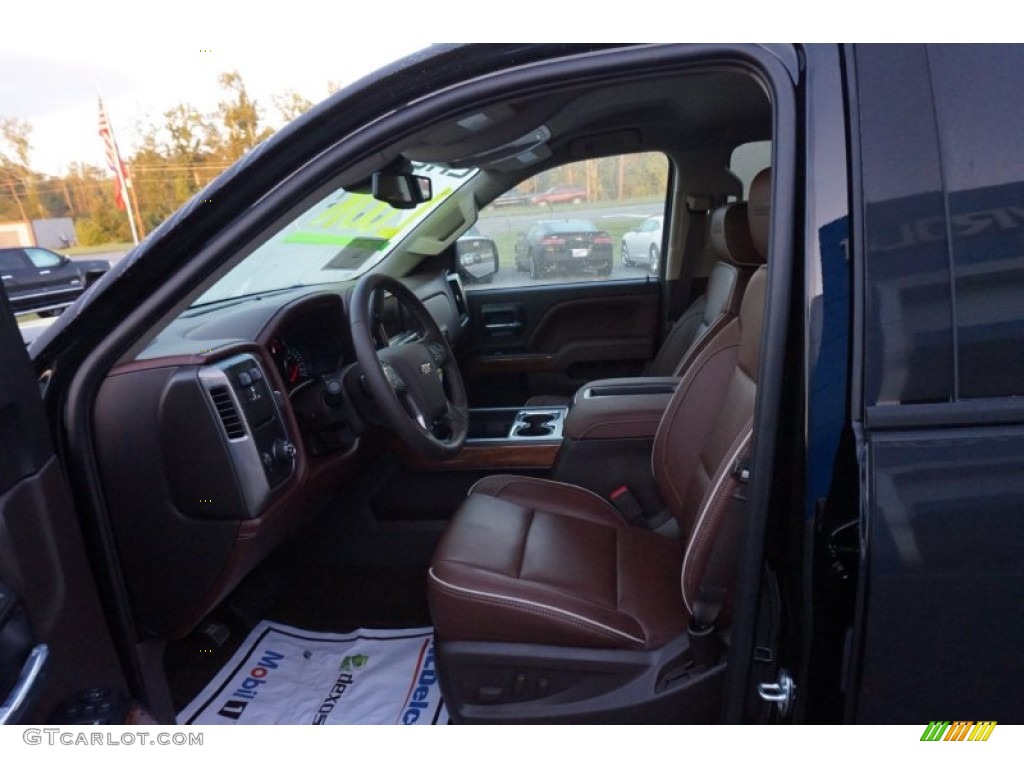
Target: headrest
759,210
730,236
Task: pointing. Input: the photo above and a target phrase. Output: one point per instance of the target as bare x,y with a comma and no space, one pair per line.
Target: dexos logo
348,665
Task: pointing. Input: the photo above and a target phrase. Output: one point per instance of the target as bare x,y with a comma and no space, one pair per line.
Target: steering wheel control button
392,376
255,374
436,352
244,379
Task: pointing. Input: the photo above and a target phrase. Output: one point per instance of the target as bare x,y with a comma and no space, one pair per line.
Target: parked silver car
642,244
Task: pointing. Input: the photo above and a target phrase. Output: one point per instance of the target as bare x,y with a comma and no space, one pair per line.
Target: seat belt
680,300
719,573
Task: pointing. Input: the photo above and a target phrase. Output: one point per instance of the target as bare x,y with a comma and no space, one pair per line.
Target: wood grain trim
486,457
206,357
171,361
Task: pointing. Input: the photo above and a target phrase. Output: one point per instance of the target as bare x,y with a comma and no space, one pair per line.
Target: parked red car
563,193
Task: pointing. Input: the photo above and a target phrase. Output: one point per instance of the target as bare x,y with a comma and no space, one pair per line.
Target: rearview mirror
401,190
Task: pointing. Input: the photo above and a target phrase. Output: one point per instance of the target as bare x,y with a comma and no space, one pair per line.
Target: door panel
552,339
938,629
942,629
49,598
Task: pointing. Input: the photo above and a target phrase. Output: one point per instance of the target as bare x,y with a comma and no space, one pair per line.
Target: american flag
113,158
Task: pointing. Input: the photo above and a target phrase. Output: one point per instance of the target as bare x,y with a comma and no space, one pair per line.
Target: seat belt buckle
625,502
741,474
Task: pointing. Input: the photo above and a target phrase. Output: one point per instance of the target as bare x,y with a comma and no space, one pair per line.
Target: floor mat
284,675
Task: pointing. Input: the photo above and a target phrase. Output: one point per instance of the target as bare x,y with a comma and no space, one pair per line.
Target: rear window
571,226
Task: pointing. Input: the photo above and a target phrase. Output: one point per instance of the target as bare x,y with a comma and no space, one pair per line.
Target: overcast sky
146,57
57,56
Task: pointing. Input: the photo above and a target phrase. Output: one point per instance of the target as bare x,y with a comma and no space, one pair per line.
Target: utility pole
134,202
14,192
67,195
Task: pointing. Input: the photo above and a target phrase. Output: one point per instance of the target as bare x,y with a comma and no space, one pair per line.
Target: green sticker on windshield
360,214
324,238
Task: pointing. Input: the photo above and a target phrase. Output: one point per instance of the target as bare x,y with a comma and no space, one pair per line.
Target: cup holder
534,430
541,424
539,419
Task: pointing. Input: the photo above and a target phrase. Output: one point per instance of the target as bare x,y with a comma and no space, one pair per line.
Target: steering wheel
415,382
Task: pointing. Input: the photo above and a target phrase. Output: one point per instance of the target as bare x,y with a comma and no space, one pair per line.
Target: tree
97,218
240,116
290,105
177,155
15,176
15,135
192,142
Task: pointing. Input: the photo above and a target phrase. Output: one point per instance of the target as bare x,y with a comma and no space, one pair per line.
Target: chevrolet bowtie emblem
424,368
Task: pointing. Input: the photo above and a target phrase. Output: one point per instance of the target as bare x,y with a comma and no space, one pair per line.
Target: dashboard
234,424
298,361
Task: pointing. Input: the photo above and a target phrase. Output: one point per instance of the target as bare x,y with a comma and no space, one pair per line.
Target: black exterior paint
939,626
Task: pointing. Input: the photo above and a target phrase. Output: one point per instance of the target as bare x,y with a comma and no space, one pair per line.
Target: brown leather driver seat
548,606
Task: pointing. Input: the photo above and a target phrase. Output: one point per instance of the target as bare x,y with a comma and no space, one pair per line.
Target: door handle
501,319
515,326
20,695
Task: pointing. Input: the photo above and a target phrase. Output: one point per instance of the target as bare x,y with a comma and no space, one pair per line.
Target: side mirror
401,190
476,258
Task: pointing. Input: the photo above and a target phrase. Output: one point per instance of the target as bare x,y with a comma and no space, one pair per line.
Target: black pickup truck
38,280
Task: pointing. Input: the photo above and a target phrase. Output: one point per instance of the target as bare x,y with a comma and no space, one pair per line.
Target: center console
612,409
506,439
609,436
602,441
513,425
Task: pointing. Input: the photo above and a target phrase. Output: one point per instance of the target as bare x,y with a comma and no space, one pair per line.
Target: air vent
228,412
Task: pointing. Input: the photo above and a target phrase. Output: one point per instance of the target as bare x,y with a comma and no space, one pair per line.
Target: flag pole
117,165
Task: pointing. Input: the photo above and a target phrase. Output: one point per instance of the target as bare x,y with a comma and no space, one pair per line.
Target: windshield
339,238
